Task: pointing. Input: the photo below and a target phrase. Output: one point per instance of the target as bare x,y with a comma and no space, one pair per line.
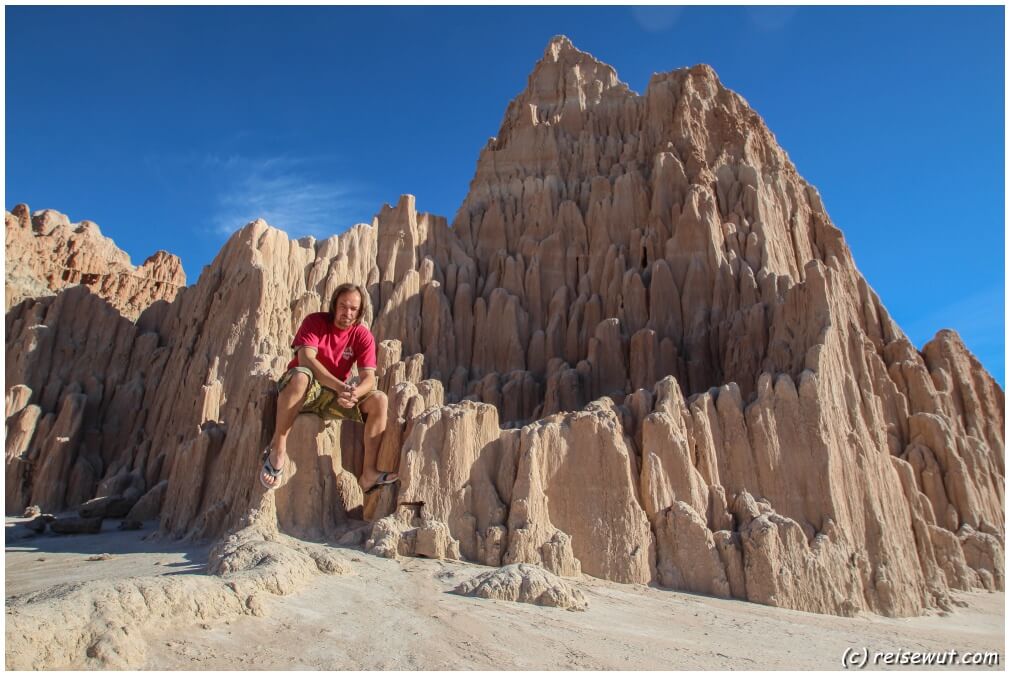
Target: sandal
268,468
383,480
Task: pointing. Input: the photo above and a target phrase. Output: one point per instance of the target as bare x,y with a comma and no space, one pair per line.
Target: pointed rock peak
564,83
557,45
560,50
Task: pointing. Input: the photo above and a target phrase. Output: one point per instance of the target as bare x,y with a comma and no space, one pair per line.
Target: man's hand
346,396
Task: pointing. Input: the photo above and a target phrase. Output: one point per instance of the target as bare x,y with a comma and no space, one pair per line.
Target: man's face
348,306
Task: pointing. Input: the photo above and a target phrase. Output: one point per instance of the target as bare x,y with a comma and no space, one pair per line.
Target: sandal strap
268,466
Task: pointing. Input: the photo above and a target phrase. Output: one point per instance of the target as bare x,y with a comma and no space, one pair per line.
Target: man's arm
366,383
365,351
307,357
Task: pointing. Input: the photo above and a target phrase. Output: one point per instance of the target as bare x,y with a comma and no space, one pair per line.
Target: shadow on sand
39,561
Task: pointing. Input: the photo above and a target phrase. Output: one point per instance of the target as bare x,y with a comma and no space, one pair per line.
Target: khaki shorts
322,400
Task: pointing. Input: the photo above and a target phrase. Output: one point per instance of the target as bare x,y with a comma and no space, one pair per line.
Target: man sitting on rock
326,345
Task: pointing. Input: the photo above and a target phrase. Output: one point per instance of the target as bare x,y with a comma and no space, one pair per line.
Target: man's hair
348,288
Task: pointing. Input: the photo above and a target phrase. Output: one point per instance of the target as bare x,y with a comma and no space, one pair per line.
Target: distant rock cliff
51,253
642,351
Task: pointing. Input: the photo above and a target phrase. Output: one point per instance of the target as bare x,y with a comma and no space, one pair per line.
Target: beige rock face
642,352
571,467
55,254
407,533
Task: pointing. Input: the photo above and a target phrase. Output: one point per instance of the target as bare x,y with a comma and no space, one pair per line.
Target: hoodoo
641,351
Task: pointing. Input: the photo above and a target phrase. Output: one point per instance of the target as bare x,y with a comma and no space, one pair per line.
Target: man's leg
289,403
374,407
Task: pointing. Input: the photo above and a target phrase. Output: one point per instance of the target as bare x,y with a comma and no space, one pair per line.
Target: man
326,345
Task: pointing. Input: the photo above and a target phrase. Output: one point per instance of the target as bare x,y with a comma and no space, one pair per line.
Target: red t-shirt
335,349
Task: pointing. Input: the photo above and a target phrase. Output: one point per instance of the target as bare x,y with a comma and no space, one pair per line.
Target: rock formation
525,583
641,351
53,254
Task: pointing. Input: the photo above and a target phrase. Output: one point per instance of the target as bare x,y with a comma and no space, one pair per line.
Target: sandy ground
400,615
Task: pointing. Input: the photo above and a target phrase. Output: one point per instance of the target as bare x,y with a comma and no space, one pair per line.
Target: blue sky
172,127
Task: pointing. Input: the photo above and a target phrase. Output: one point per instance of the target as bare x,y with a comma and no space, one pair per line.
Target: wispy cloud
284,192
655,18
771,18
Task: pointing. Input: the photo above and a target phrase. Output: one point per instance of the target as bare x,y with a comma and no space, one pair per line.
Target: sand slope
390,614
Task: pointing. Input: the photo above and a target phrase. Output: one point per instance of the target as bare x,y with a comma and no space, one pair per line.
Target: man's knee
376,404
297,385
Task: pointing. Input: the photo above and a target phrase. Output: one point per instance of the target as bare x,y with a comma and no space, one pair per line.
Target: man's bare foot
278,460
370,480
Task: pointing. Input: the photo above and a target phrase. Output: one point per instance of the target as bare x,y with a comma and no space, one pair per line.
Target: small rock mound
407,533
525,583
